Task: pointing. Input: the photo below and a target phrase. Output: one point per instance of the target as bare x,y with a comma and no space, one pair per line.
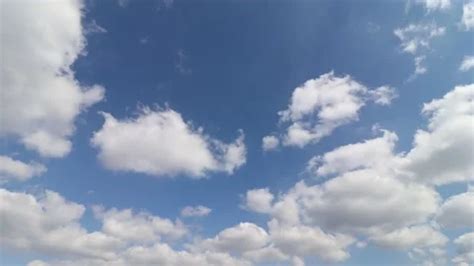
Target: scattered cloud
180,64
11,169
415,39
36,72
93,27
161,143
468,15
270,143
467,63
195,211
433,5
321,105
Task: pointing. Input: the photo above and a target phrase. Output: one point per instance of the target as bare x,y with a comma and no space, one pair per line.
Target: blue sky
191,88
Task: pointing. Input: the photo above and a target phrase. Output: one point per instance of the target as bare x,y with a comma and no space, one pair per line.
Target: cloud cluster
382,197
40,96
161,143
321,105
415,39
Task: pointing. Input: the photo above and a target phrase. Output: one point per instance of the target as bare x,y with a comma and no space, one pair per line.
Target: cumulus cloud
442,153
467,63
415,39
40,96
137,227
420,236
195,211
465,250
49,225
11,169
161,143
468,15
457,211
321,105
259,200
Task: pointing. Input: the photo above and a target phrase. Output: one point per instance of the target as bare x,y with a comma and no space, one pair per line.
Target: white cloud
432,5
40,96
468,15
236,240
415,39
373,153
195,211
465,250
307,241
383,95
49,225
457,211
321,105
18,170
259,200
137,227
467,63
270,143
443,153
161,143
420,236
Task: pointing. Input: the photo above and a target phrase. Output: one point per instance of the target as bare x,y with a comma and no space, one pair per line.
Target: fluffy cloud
40,96
137,227
18,170
196,211
259,200
457,211
443,153
161,143
467,63
411,237
321,105
415,39
306,241
468,15
465,250
50,225
238,239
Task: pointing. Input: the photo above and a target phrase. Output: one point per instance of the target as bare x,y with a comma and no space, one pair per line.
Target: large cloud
40,96
161,143
321,105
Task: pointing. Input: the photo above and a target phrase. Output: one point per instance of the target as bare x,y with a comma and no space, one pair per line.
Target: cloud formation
321,105
161,143
40,96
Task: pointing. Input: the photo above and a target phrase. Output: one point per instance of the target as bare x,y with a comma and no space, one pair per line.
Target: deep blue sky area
232,65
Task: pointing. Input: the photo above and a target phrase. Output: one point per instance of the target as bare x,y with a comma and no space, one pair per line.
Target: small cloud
467,63
180,63
195,211
373,27
93,27
144,40
123,3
